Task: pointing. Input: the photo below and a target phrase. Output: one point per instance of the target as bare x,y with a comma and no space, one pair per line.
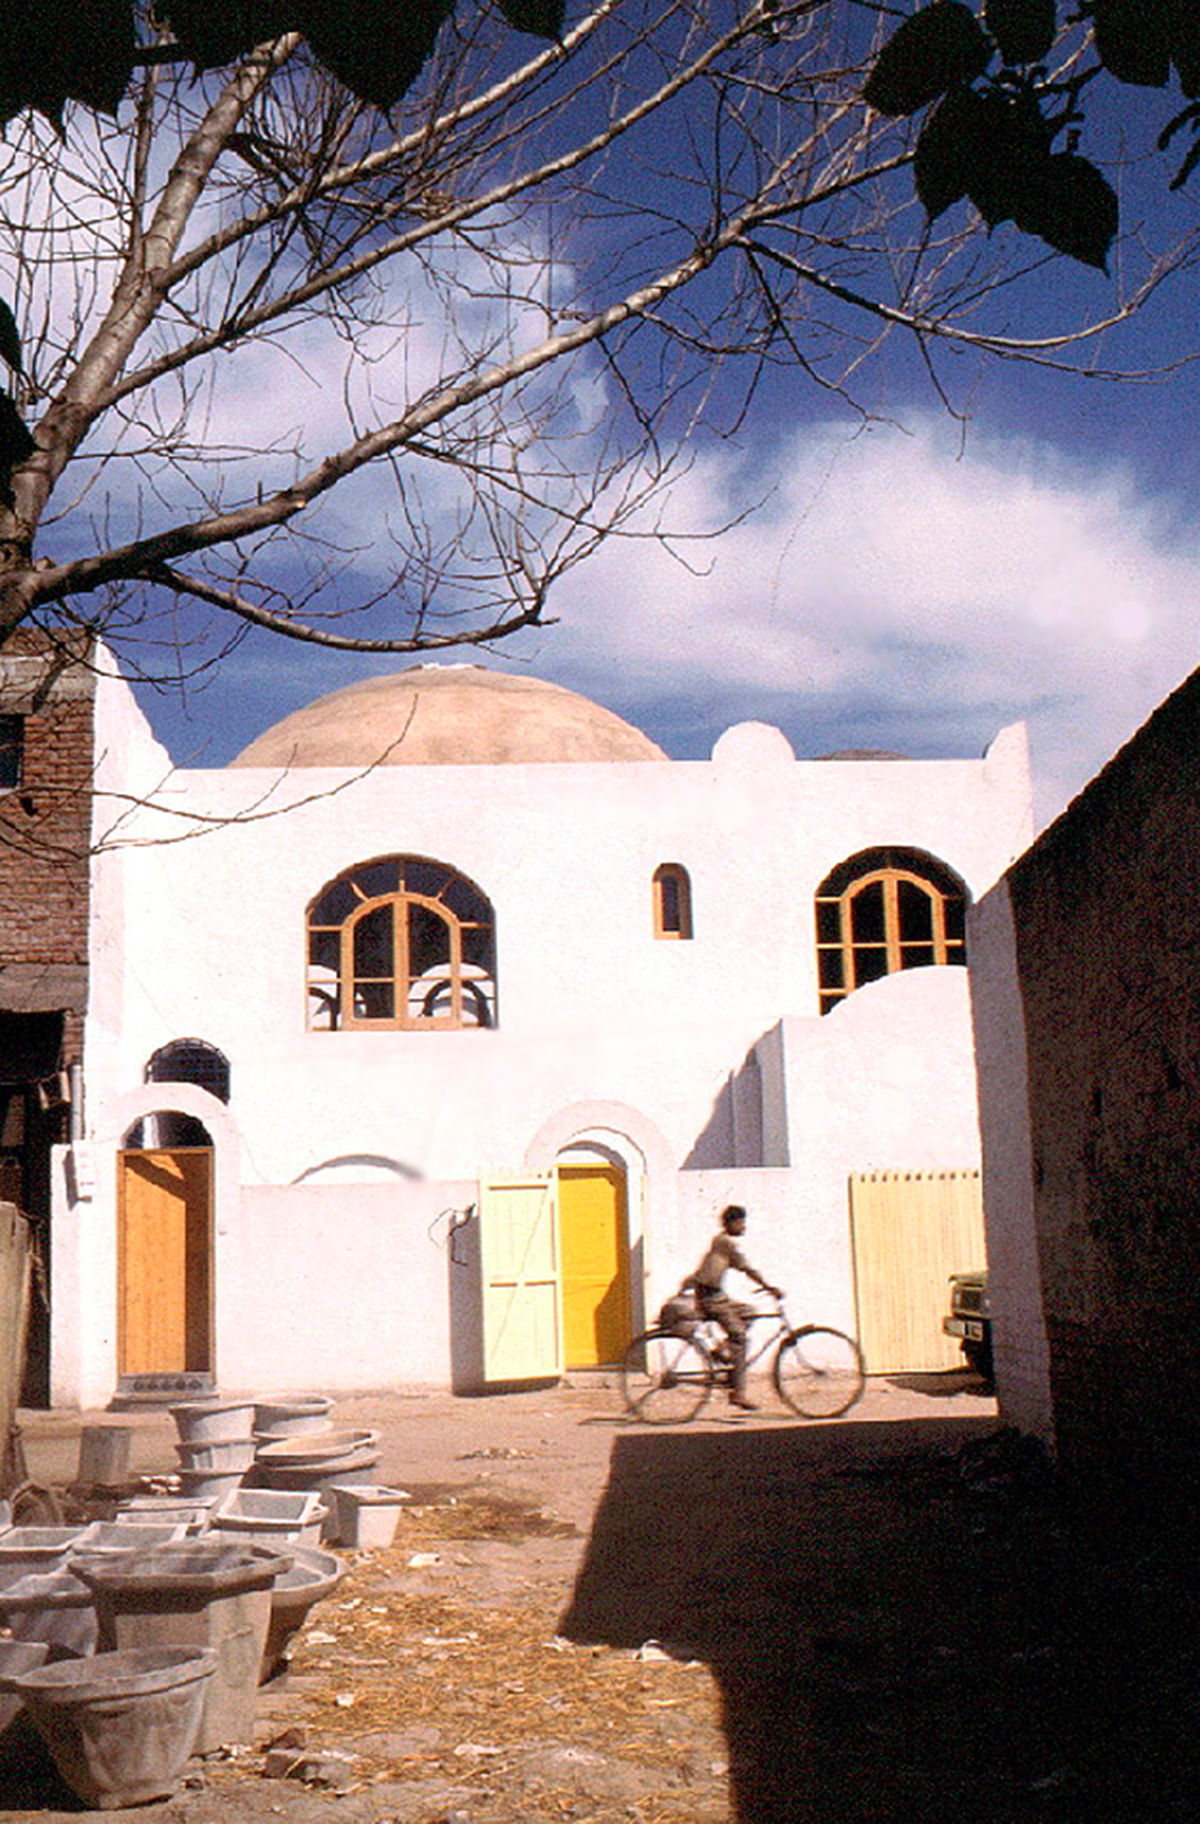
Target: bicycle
668,1375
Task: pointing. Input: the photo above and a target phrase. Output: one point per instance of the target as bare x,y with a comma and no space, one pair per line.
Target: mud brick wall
1107,913
45,825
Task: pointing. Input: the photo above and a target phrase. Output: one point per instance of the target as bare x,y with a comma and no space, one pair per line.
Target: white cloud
889,594
896,595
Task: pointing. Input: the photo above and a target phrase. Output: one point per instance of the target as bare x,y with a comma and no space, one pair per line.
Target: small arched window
401,942
672,901
181,1061
191,1061
882,911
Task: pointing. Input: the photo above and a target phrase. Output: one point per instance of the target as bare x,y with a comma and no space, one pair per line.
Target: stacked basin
16,1658
51,1609
270,1516
119,1726
313,1576
300,1451
319,1466
367,1514
25,1550
290,1415
196,1594
138,1641
192,1512
216,1445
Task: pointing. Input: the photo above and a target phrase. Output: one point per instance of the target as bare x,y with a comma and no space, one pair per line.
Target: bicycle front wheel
666,1378
819,1373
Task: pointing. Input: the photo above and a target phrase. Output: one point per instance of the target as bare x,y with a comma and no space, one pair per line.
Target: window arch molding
882,911
400,942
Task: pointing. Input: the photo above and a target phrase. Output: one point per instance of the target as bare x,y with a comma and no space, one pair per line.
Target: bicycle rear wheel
666,1378
819,1373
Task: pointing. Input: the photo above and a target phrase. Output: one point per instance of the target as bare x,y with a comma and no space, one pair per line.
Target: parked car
970,1320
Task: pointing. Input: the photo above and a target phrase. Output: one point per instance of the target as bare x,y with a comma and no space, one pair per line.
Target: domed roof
448,715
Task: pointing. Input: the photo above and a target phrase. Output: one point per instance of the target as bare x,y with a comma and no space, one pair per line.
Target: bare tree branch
292,629
378,381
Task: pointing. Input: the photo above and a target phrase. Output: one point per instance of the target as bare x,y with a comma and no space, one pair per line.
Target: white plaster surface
347,1144
1020,1344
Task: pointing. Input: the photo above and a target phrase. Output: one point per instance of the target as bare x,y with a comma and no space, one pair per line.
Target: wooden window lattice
886,916
401,942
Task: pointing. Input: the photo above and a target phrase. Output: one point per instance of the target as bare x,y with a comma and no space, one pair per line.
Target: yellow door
518,1233
164,1262
595,1263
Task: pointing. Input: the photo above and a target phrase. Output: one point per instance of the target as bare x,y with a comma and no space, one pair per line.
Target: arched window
672,901
401,942
882,911
181,1061
191,1061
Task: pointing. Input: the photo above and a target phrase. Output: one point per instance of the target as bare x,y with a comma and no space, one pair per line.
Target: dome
448,715
862,753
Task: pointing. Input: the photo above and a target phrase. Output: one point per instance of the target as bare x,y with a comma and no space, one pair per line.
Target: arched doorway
164,1256
166,1170
593,1222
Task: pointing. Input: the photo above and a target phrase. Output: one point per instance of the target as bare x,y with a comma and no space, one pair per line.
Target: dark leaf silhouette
377,51
1024,29
10,338
1069,204
88,46
1187,117
1011,150
1187,167
16,445
1185,47
952,149
1132,40
940,46
214,32
544,18
55,51
996,150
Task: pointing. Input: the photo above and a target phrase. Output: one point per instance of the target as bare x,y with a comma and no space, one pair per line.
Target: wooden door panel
595,1264
522,1319
911,1231
164,1272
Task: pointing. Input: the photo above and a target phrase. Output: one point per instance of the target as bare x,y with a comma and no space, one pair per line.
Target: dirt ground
893,1617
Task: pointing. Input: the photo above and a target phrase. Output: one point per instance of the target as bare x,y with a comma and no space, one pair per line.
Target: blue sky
898,589
910,583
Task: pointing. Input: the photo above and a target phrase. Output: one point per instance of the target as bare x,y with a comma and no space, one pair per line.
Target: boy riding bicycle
724,1253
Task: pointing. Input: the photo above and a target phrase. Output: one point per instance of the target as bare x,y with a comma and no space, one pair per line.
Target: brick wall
44,833
1106,908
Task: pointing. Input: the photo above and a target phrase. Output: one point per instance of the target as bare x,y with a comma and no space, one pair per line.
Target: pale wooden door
164,1278
911,1231
522,1307
16,1256
595,1263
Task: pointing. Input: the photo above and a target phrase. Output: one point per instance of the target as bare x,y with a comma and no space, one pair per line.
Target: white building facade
425,1042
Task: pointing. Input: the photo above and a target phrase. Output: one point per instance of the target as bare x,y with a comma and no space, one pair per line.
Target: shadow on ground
895,1640
28,1781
